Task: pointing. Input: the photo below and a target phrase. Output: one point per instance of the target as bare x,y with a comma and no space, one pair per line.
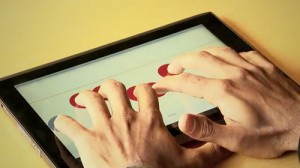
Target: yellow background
35,32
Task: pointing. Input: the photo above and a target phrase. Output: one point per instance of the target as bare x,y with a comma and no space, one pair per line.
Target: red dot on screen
96,89
73,103
130,94
163,70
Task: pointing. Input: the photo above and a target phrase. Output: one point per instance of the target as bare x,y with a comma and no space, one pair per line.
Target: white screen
50,96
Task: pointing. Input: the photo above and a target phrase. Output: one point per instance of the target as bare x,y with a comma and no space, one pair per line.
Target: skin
261,106
123,137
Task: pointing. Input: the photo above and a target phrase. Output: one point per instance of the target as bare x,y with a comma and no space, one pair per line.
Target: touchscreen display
55,94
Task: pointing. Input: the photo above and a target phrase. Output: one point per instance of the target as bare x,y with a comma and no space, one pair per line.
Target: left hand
126,138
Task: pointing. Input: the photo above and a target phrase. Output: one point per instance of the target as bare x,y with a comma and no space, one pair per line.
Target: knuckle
87,94
115,83
253,52
218,62
267,64
112,83
205,128
190,78
149,115
226,85
151,118
242,73
154,113
211,58
271,68
127,116
219,49
113,86
186,77
226,49
255,69
203,54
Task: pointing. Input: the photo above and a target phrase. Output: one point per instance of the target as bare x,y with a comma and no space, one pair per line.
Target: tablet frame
33,127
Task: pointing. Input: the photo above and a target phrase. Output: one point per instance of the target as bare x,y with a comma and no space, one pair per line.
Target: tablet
35,97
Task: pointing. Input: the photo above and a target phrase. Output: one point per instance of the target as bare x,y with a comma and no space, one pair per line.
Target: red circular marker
130,94
163,70
73,103
96,89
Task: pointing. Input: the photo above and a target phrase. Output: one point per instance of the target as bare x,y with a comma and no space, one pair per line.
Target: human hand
126,138
261,107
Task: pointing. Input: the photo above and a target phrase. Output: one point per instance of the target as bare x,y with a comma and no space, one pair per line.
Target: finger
189,84
229,55
70,127
147,99
116,94
201,128
96,107
257,59
206,64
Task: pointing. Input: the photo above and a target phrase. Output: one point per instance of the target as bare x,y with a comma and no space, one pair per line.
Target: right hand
261,106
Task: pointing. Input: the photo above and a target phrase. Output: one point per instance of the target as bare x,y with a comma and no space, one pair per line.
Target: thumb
69,127
201,128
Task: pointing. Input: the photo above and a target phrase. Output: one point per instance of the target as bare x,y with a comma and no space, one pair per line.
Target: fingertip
68,126
175,69
142,87
160,87
159,84
80,98
159,90
59,122
154,86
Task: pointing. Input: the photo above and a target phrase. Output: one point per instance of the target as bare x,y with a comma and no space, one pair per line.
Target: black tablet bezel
39,131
